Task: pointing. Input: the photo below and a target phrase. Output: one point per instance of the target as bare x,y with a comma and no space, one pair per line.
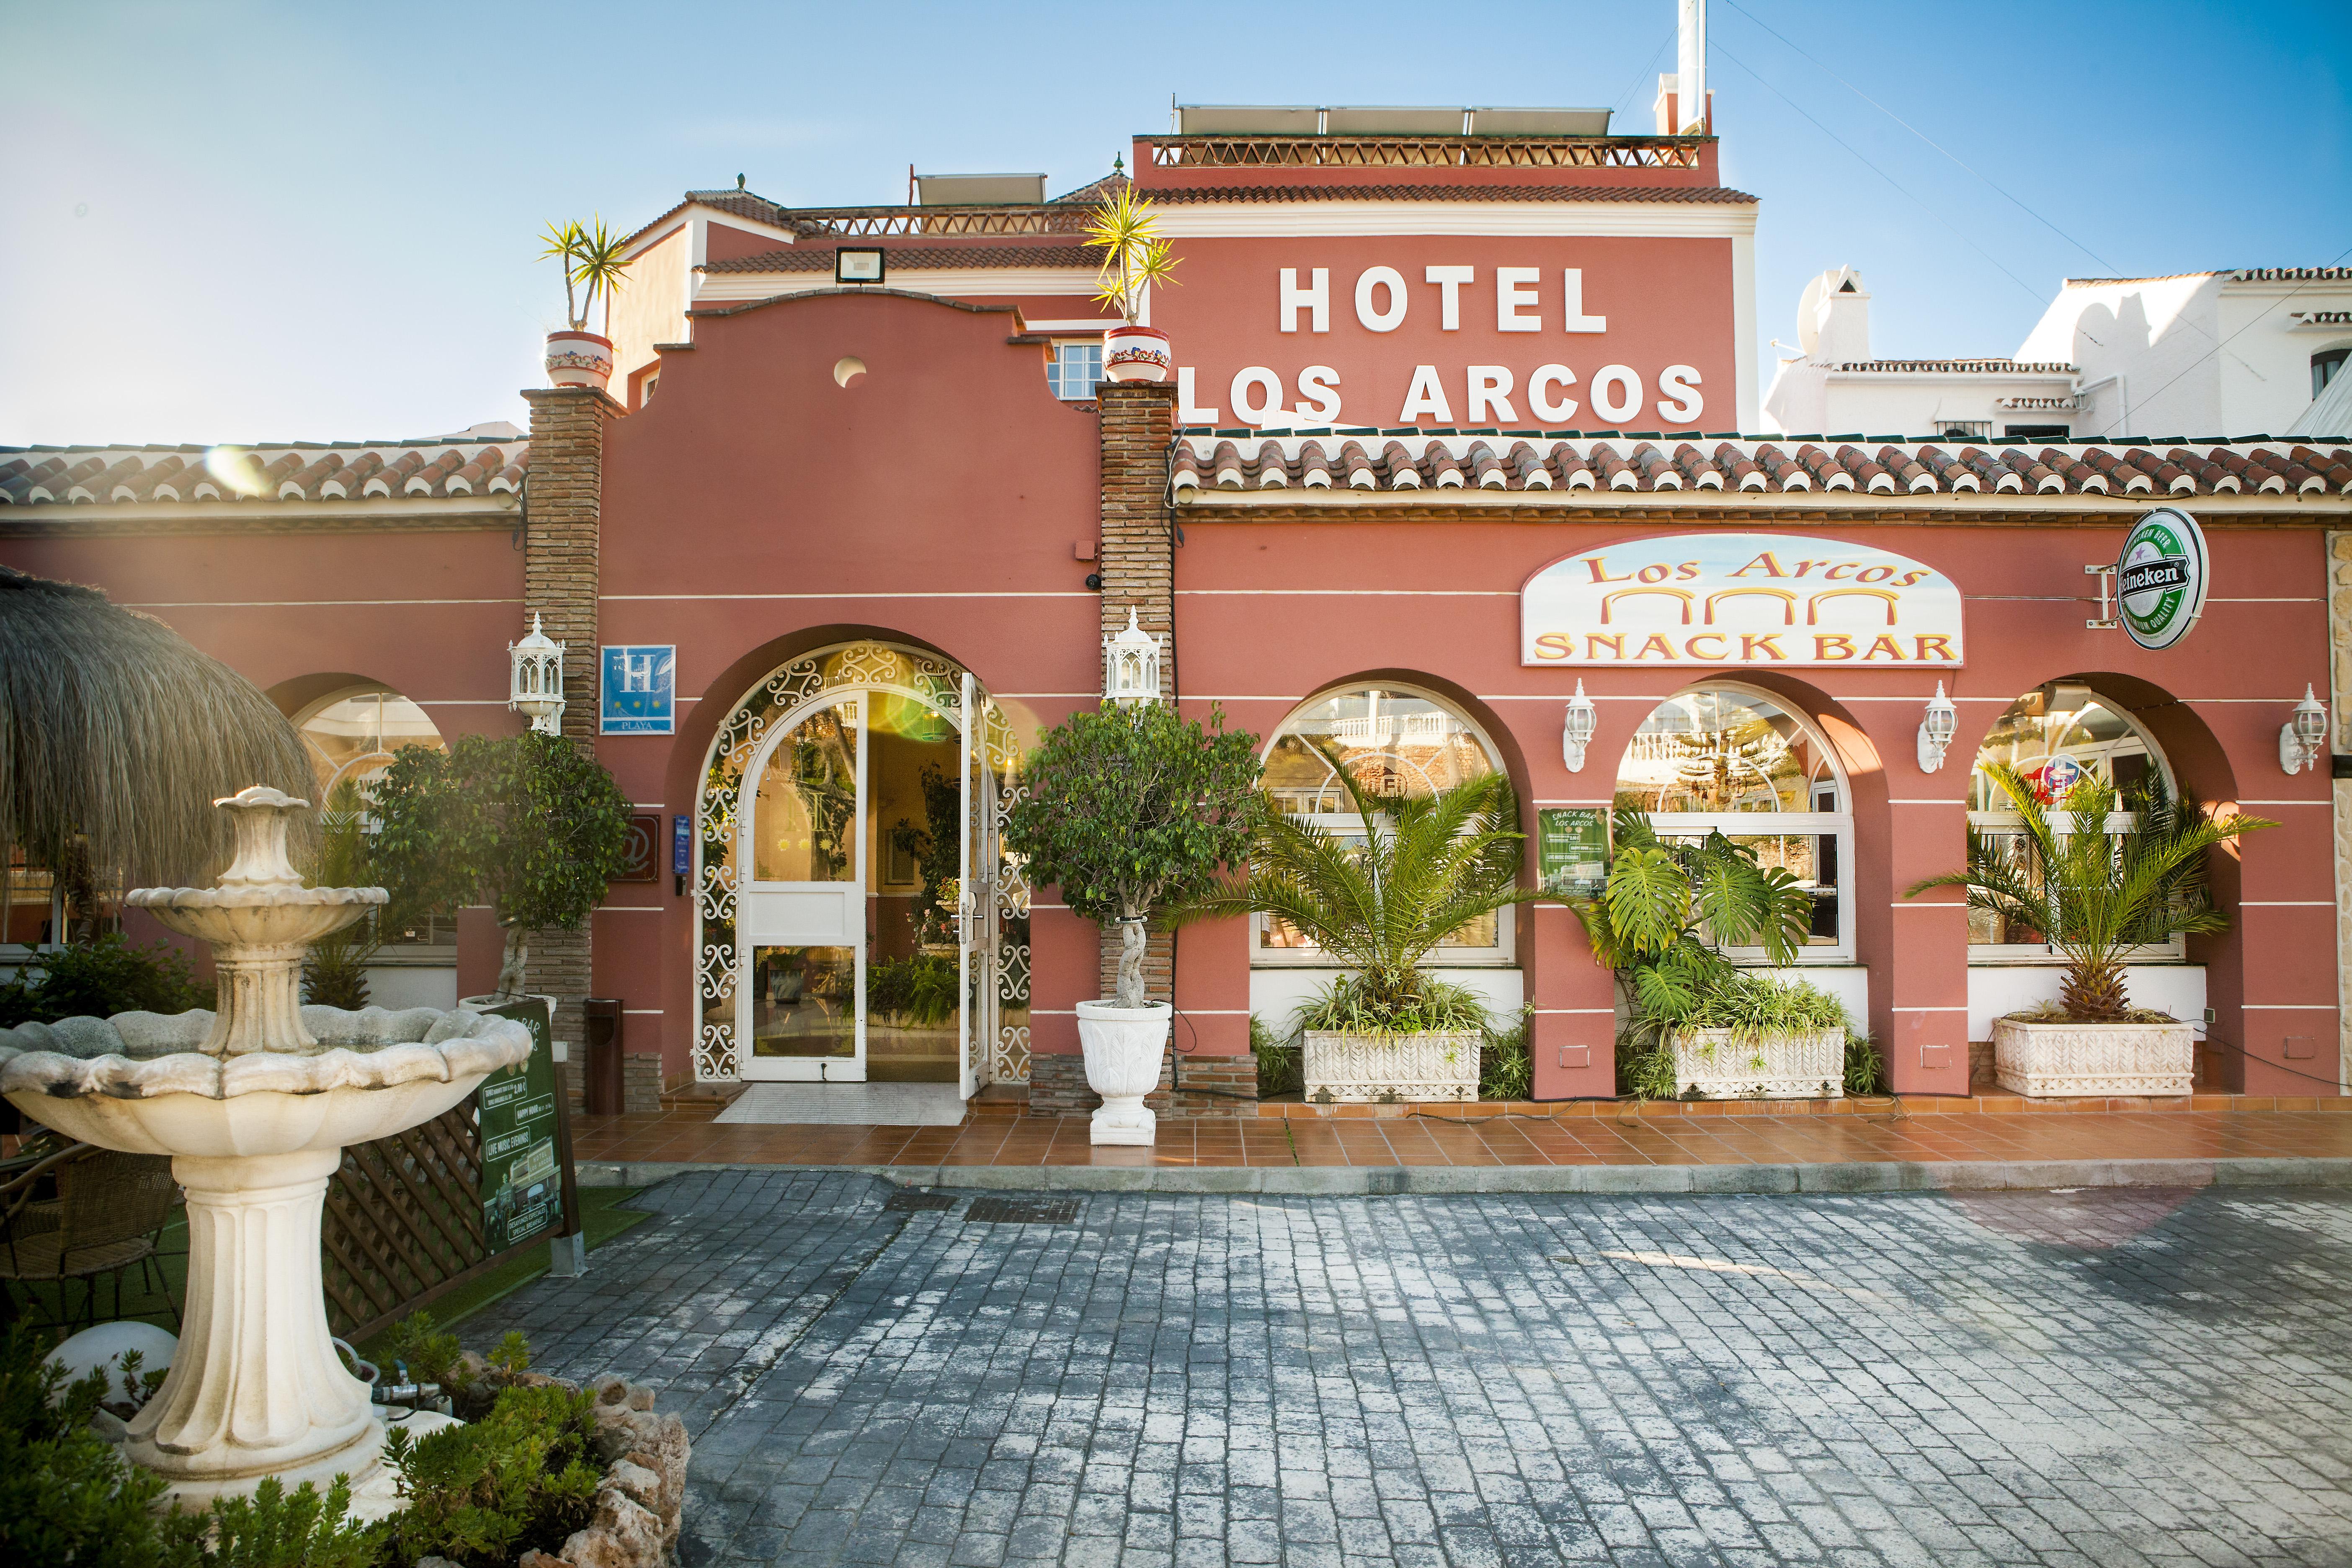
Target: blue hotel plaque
640,690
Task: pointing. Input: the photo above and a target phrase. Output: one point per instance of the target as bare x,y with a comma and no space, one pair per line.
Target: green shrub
278,1529
1506,1068
522,1477
1865,1070
1352,1005
1645,1066
1281,1068
103,977
922,989
1752,1006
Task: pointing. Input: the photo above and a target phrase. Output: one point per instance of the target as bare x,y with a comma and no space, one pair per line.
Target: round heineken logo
2160,577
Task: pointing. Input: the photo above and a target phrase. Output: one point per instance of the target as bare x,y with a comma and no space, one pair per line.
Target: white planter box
1124,1047
1777,1067
2049,1062
1363,1068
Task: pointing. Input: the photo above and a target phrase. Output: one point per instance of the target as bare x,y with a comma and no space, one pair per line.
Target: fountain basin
257,1388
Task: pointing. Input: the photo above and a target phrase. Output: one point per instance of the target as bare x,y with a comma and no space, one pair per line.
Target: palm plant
116,735
1124,226
1668,909
593,266
1423,869
2092,897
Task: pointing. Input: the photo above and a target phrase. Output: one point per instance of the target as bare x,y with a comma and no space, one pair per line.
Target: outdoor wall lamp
1131,665
2304,737
1936,730
1576,732
538,684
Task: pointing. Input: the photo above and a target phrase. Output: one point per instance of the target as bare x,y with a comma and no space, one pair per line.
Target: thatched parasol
116,735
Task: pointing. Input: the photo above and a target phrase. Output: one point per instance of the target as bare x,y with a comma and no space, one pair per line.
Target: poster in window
1572,850
522,1189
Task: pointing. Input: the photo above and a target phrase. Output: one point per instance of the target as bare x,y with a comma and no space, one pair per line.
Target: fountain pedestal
255,1112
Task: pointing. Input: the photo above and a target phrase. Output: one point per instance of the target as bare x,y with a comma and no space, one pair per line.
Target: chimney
1841,323
1690,69
1682,102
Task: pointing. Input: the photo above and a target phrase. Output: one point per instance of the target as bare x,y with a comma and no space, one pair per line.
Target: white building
2202,356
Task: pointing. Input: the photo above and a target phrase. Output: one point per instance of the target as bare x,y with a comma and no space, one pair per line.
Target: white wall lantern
538,682
1576,731
1936,730
1131,665
2304,737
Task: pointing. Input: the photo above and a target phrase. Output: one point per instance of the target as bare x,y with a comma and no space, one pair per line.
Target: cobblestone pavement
2105,1377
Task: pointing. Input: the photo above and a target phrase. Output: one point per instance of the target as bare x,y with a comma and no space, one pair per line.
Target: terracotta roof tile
1531,461
132,476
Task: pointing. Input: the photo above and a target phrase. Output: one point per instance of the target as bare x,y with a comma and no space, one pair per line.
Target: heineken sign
2160,577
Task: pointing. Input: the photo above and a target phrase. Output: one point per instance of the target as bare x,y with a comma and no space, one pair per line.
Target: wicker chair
108,1213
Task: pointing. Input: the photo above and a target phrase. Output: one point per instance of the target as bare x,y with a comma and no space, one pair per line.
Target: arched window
354,734
2055,735
1394,741
1726,759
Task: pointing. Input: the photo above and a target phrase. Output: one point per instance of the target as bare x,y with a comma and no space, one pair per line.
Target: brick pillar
563,507
2339,695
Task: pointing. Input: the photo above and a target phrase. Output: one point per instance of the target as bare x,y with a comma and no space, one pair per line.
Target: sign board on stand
526,1175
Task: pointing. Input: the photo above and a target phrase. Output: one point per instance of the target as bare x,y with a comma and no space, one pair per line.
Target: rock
436,1563
620,1431
535,1558
622,1535
636,1483
611,1389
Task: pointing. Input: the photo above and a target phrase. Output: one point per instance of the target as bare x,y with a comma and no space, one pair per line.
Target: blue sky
273,222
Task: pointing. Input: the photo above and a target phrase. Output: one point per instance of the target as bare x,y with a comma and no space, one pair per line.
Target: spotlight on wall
1576,733
2304,737
1936,730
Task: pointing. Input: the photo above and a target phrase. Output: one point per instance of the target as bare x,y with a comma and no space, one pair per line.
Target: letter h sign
640,690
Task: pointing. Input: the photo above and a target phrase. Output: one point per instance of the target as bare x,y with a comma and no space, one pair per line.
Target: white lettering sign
1756,599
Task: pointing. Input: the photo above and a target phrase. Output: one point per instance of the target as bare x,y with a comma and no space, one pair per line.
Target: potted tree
1126,230
1131,810
528,824
1378,902
593,266
1699,1026
2095,896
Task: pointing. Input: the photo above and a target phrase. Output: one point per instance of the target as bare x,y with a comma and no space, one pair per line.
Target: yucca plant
1425,869
1668,909
1124,227
2095,897
593,266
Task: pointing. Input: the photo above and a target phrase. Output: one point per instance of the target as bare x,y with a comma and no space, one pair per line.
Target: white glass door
801,999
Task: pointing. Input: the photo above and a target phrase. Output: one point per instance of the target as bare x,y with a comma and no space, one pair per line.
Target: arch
1758,765
351,727
768,709
1411,739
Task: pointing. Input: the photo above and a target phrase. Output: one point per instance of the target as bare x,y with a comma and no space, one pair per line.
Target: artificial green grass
602,1217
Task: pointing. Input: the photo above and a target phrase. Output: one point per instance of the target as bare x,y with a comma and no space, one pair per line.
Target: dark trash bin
601,1024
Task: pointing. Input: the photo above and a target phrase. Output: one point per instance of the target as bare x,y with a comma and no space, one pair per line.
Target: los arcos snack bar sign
1740,600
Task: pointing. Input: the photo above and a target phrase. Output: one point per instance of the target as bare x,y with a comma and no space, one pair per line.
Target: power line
1625,99
2112,269
1900,188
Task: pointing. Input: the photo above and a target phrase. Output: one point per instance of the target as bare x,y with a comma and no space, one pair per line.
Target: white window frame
1836,826
2029,954
1503,955
1054,370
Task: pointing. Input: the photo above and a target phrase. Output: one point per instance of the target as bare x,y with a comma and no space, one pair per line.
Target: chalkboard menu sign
1573,849
523,1193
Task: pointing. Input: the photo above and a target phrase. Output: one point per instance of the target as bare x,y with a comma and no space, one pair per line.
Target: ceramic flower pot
1124,1047
1136,353
1361,1070
578,359
2056,1061
1771,1067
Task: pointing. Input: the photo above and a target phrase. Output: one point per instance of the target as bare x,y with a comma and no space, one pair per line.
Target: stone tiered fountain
254,1104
